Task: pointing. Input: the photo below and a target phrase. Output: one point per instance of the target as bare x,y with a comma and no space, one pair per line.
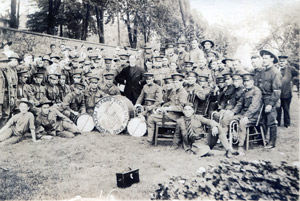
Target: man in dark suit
132,78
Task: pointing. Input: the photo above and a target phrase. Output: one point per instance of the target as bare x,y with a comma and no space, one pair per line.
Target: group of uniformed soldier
172,85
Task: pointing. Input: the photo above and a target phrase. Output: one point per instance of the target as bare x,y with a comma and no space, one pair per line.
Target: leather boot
273,137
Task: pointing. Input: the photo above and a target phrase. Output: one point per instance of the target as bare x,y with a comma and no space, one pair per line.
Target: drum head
112,113
85,123
137,127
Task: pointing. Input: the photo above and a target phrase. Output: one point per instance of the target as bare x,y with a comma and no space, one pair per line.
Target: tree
14,14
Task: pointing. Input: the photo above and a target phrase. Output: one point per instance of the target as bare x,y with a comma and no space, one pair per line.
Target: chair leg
262,135
247,138
155,135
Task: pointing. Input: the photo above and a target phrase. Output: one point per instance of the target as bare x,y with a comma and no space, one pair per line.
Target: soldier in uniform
74,103
227,92
9,80
19,125
271,90
50,121
64,88
147,55
108,69
92,94
183,56
150,90
171,110
196,53
167,89
247,108
228,63
171,56
23,76
208,48
52,90
76,78
109,87
36,91
190,130
287,73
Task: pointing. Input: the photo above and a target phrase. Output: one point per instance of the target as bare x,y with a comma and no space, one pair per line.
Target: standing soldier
183,56
9,80
271,89
147,55
196,53
109,87
207,46
287,73
171,56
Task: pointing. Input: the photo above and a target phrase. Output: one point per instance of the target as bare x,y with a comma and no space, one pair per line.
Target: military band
45,94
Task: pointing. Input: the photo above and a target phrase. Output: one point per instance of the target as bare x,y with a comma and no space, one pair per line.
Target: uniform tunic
153,91
21,123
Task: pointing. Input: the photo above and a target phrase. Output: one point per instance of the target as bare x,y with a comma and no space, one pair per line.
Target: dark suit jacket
134,83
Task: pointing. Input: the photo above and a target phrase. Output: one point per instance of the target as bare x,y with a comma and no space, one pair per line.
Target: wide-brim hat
268,52
210,41
24,100
227,59
44,101
14,56
47,58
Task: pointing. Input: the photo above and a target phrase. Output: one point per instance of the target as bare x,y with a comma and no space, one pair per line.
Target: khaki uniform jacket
271,86
154,92
237,94
249,104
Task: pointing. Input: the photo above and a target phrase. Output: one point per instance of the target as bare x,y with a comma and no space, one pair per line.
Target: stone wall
37,43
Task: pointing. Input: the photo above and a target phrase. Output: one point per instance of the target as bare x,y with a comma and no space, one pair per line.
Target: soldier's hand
244,120
214,131
268,108
76,113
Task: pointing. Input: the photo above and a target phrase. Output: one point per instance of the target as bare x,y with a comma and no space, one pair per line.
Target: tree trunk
129,30
119,34
13,17
135,32
18,14
85,23
100,24
50,19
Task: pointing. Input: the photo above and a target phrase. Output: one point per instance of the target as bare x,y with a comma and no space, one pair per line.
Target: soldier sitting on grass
190,131
19,125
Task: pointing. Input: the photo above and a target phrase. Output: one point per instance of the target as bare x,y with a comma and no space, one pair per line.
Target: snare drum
137,127
85,123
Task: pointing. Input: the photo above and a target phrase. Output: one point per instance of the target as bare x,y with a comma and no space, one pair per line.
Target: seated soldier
171,110
76,78
189,131
225,114
52,90
51,122
36,90
92,94
74,103
167,89
109,87
247,108
150,90
19,125
203,97
64,88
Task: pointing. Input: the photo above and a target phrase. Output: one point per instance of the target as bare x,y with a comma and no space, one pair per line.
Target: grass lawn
86,165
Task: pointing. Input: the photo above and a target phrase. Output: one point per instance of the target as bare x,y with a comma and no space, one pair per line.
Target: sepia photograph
149,100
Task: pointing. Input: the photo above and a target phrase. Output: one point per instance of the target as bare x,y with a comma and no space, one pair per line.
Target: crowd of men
43,95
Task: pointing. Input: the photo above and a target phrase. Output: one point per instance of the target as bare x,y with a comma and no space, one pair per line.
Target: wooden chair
256,130
164,131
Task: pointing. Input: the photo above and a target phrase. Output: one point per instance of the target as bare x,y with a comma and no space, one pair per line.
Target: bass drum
112,114
85,123
137,127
